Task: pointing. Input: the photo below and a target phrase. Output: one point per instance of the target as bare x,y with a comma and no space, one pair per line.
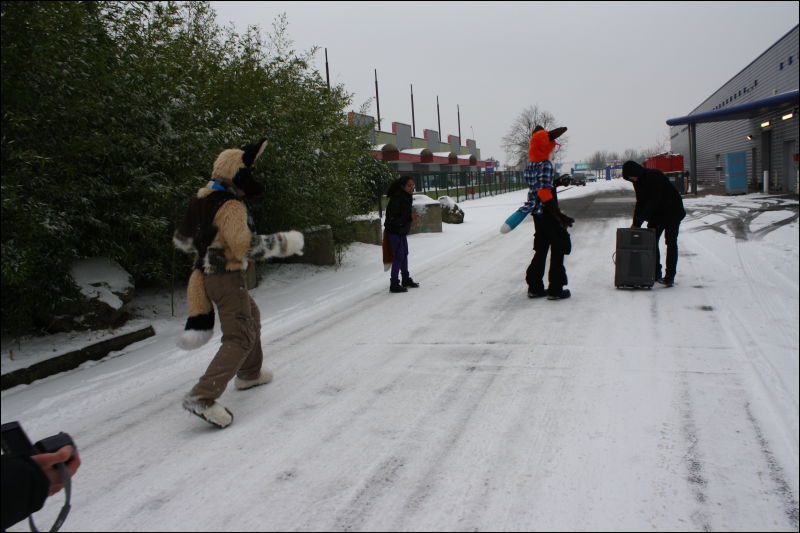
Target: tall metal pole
439,118
327,72
413,123
693,155
458,111
377,99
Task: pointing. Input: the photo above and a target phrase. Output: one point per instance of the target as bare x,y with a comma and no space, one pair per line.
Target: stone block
429,215
451,213
319,248
367,229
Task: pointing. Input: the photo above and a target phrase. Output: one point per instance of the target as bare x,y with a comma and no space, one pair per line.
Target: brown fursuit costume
218,229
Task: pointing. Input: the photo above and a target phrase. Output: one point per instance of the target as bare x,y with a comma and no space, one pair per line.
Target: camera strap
62,515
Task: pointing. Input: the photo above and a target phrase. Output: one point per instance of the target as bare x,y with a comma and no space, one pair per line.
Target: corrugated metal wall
773,72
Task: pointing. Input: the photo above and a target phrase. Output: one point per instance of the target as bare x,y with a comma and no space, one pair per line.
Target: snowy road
463,405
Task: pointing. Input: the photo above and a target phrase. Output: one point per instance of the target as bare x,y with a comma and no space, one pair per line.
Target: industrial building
744,136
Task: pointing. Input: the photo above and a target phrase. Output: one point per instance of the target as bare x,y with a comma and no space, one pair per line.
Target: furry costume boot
214,414
263,378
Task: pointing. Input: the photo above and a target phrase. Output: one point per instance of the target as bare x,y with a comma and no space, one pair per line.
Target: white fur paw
295,242
191,339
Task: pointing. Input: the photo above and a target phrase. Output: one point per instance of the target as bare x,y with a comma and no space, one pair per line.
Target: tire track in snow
700,478
462,397
739,332
776,473
693,462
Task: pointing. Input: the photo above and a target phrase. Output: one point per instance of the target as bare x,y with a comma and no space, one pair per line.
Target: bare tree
661,147
631,154
516,142
598,160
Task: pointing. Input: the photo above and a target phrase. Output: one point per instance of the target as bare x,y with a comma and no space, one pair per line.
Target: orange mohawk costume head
543,142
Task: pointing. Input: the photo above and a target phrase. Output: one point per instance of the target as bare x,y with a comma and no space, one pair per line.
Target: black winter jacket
25,488
398,213
657,200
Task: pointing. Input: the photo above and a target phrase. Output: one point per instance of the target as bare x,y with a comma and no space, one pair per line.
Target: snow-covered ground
463,405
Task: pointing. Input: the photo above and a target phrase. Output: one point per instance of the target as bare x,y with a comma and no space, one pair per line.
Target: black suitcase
635,258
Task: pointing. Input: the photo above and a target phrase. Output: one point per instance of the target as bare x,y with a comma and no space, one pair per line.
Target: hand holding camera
15,442
67,455
58,458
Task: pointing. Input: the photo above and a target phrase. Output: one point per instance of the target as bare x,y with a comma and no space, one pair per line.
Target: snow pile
103,279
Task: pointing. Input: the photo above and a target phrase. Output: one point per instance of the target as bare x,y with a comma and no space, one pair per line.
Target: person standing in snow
399,216
661,206
549,222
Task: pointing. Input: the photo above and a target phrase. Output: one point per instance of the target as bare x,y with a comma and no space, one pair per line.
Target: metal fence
466,185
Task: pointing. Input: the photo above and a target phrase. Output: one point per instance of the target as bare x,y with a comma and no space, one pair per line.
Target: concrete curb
73,359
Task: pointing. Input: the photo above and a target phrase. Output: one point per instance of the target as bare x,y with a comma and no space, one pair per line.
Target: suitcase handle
614,258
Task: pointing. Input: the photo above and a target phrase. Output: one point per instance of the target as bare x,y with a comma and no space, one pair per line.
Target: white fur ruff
185,244
191,339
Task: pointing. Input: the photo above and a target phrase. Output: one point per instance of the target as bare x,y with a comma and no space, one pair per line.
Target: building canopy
743,111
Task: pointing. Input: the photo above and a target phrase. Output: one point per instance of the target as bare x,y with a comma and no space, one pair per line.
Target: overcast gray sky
612,72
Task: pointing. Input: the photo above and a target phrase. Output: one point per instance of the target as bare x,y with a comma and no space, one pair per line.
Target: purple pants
399,245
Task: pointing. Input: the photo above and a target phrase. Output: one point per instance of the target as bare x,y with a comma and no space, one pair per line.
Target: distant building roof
743,111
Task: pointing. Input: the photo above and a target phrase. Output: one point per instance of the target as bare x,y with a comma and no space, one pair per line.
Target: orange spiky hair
541,146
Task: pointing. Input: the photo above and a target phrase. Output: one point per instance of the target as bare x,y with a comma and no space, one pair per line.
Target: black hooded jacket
398,213
657,201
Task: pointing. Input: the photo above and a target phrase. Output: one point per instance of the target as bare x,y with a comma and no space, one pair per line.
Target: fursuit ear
253,151
556,133
200,324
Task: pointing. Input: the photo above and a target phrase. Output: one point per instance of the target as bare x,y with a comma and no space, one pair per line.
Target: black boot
558,294
408,282
395,286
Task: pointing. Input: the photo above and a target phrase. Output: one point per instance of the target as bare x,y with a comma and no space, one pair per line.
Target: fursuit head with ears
219,230
543,142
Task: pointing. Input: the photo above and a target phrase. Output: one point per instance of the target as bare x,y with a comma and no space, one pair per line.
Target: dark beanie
632,168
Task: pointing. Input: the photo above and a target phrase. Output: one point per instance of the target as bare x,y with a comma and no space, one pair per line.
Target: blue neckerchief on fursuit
220,187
